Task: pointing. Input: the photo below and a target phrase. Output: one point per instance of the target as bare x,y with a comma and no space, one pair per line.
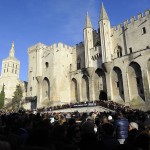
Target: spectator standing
132,134
121,127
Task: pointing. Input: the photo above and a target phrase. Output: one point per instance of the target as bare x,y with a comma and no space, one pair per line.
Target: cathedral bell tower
105,35
88,41
10,65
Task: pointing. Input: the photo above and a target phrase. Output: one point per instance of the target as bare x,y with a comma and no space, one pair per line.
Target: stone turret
105,35
88,41
103,14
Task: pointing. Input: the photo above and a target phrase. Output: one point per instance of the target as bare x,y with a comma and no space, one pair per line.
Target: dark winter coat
121,126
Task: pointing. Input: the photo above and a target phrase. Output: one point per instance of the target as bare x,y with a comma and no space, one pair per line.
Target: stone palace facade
112,63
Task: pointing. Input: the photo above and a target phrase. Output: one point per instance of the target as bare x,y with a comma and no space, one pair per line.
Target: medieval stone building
10,76
112,63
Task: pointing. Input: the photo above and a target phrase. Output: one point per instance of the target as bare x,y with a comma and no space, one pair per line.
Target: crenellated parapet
60,46
79,45
133,20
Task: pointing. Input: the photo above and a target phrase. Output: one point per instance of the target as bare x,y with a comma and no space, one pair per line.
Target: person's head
120,114
74,133
58,131
105,120
87,127
133,125
108,129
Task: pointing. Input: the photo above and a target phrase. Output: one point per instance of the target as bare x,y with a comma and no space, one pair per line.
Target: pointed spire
12,51
103,14
88,23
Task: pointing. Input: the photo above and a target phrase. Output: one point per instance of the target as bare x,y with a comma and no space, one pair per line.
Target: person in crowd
132,134
108,136
88,137
121,127
23,132
142,141
74,134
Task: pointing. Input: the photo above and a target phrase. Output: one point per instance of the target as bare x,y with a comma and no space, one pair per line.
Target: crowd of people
122,129
104,103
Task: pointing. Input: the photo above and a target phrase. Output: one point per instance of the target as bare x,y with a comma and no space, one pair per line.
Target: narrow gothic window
7,69
30,88
78,64
15,71
4,70
46,65
119,51
130,49
144,30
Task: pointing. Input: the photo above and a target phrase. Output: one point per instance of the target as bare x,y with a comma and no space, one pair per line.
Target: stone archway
136,88
45,91
99,83
74,94
85,88
117,84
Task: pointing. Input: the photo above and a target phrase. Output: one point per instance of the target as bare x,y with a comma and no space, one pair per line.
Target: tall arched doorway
46,91
100,84
85,88
117,84
74,95
135,81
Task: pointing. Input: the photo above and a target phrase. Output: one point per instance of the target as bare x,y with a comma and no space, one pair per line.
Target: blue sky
27,22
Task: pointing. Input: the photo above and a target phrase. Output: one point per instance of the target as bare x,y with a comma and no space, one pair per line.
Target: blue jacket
121,126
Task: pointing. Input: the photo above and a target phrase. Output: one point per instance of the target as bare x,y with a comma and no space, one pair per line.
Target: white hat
134,125
109,117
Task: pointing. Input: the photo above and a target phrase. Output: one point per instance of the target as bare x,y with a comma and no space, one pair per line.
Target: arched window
46,65
143,30
119,52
